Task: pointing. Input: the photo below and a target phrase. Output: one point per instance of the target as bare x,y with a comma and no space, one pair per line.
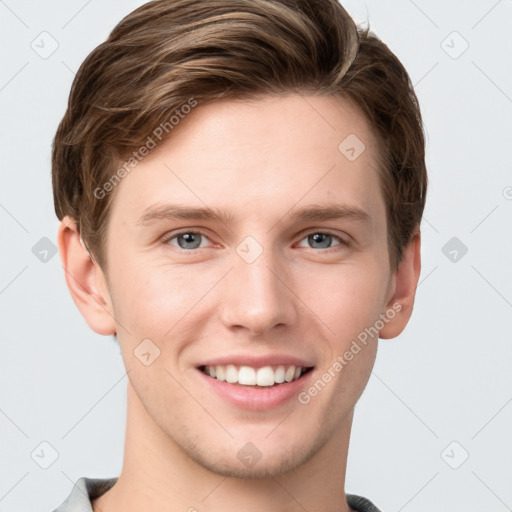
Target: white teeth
279,374
220,372
246,376
290,372
231,374
265,376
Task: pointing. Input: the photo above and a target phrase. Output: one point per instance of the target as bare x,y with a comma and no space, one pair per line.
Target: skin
258,160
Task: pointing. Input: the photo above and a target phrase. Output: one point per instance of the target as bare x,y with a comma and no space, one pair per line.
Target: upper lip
258,361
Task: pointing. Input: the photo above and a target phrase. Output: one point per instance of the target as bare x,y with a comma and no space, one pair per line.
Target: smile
266,376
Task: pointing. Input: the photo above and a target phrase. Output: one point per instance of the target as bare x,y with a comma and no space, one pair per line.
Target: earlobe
85,280
400,306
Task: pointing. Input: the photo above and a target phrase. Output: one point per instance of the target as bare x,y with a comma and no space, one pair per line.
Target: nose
257,296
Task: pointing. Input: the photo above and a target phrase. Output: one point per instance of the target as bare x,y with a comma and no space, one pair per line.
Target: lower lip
254,398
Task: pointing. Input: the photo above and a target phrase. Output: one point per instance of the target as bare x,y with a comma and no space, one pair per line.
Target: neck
158,475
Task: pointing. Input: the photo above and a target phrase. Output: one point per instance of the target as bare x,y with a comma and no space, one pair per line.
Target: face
249,246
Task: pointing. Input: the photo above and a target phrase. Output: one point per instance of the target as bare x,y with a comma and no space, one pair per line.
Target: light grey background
446,378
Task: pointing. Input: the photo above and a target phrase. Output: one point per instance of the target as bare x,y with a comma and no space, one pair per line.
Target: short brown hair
169,52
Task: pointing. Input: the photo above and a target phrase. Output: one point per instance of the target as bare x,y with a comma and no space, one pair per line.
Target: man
240,186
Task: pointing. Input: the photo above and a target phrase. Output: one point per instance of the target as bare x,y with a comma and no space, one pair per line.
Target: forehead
260,155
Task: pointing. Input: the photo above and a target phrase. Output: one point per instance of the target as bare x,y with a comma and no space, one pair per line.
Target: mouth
265,377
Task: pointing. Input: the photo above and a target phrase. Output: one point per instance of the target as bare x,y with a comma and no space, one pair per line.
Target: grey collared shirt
88,489
84,491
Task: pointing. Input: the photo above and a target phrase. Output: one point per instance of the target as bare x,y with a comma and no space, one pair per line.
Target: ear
404,284
85,279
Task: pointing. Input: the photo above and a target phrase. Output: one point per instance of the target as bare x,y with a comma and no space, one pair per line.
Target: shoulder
84,491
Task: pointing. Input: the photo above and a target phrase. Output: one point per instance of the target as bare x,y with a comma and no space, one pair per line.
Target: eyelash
170,236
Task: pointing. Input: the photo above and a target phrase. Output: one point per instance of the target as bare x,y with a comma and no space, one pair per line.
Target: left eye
187,240
322,240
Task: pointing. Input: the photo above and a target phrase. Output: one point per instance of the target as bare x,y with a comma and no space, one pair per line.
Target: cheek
158,302
352,304
347,298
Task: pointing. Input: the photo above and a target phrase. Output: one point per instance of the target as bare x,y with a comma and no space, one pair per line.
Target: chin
263,464
264,469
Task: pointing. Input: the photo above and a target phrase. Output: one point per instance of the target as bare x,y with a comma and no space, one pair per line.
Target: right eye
186,240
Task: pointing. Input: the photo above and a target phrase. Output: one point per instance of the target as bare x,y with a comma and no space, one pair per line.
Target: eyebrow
309,213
